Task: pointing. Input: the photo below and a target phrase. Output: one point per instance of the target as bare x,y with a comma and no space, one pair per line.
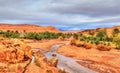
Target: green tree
75,36
115,31
102,35
116,40
11,34
16,31
91,33
1,32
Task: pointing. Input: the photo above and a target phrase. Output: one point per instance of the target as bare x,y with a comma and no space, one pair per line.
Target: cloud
60,12
87,7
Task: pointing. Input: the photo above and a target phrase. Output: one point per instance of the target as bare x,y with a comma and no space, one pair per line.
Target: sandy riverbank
101,61
43,44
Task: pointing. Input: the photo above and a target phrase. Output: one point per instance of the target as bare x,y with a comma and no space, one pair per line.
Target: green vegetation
34,35
115,31
37,62
100,37
11,34
75,36
116,40
1,32
91,33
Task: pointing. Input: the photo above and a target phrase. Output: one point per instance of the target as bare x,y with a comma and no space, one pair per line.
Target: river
66,63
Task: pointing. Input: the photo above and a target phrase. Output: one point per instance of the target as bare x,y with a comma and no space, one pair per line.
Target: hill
95,31
27,28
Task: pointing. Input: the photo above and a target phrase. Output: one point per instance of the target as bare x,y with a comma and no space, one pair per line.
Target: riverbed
66,63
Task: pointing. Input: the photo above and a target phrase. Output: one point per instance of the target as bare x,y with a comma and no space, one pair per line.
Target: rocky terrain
17,57
100,61
14,55
25,55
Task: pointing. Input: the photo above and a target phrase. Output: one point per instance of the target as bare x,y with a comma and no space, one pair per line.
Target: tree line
101,38
34,35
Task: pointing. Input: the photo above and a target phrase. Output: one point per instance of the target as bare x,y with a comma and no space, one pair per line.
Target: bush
11,34
115,31
37,62
73,42
60,38
91,33
1,32
102,47
118,47
75,36
49,71
39,36
79,44
34,35
87,45
96,42
102,35
116,40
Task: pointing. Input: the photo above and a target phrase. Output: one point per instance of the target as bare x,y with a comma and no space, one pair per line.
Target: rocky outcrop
41,65
102,47
14,51
53,62
81,44
15,55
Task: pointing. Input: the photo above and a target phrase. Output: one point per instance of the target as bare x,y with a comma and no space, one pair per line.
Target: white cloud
62,12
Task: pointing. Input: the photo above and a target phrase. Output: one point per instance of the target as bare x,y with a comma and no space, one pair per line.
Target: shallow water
66,63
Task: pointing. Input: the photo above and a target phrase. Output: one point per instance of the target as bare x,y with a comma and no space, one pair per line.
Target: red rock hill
27,28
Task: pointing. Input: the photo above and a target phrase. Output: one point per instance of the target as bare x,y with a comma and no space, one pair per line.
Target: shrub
49,71
102,35
62,71
79,43
1,32
87,45
37,62
96,42
115,31
11,34
102,47
60,38
75,36
118,47
73,42
91,33
116,40
83,38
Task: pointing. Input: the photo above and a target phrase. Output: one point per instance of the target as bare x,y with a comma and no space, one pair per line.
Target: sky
63,14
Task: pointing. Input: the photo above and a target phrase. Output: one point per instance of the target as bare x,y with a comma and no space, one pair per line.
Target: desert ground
100,61
19,55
